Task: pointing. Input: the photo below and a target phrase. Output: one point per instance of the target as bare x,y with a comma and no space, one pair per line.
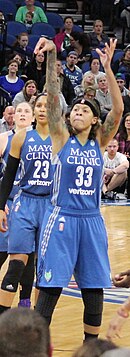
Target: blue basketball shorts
73,243
25,223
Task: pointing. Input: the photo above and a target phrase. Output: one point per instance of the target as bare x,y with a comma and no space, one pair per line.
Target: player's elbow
120,108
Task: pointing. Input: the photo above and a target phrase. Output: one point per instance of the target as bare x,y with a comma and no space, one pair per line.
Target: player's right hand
3,221
122,280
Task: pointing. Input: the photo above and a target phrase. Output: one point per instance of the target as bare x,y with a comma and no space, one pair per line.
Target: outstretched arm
54,112
111,124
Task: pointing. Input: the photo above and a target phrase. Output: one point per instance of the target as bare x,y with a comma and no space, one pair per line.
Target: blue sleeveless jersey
77,171
3,162
36,156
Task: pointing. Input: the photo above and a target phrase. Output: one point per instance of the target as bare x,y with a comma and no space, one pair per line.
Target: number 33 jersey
35,163
77,175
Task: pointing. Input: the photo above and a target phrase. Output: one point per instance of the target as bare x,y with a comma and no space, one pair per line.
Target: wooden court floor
66,327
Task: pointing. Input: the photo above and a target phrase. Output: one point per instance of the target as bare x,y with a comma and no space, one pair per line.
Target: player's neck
43,131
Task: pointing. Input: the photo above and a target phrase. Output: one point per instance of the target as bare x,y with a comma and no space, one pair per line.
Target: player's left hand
122,280
108,52
3,221
44,45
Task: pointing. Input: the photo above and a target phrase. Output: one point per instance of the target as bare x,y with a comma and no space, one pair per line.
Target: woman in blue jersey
23,118
73,237
32,149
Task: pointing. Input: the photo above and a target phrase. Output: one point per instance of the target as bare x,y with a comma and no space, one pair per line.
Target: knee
28,275
93,303
13,275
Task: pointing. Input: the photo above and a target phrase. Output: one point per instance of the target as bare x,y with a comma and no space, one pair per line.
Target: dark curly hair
122,130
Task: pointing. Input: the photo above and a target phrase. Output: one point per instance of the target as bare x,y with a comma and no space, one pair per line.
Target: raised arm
112,121
57,129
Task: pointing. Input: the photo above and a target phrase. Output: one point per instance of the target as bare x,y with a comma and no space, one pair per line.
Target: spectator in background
21,46
97,37
11,82
66,86
126,101
123,138
103,96
7,122
122,65
24,332
95,68
36,69
28,93
120,78
90,92
21,63
79,42
115,170
71,70
62,39
88,80
28,21
126,12
38,13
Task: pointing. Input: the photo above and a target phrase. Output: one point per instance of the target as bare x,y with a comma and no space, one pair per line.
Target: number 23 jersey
36,164
77,175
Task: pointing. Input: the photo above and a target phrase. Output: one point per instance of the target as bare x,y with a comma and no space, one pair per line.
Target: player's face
23,115
40,110
81,117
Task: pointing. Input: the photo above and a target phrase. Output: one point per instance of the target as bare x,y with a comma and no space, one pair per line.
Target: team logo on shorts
17,207
61,224
61,227
48,275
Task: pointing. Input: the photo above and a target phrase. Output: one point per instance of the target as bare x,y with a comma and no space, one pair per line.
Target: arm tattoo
109,125
53,102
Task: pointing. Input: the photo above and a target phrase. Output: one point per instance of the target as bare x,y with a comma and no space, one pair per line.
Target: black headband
93,104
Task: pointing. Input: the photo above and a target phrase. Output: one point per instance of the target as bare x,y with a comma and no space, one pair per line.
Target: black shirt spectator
66,88
97,36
